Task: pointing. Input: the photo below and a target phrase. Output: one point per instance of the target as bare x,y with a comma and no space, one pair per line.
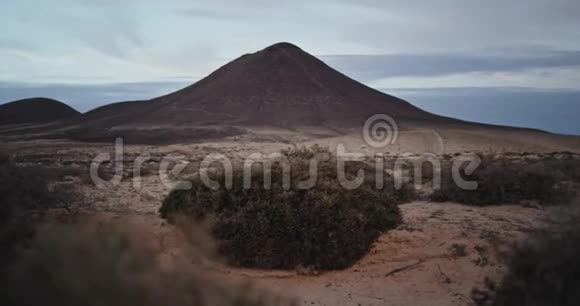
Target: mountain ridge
35,110
279,85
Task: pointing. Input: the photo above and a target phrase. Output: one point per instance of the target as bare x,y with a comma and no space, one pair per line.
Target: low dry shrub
22,189
542,272
323,227
565,169
79,265
25,198
502,181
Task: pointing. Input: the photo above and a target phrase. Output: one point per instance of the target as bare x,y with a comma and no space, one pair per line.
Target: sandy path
431,274
412,265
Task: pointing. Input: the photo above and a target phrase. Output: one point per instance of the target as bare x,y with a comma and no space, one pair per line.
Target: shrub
75,264
323,227
21,189
503,181
80,265
543,272
565,169
24,199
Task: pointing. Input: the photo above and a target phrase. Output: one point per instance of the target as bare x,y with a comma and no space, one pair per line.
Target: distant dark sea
551,110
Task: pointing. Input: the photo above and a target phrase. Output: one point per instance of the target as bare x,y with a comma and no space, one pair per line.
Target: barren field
436,257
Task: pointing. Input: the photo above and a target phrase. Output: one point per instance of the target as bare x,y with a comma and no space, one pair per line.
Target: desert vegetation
323,227
25,201
502,181
48,260
80,265
542,271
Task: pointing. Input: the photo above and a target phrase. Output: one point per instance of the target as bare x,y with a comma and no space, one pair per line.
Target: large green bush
323,227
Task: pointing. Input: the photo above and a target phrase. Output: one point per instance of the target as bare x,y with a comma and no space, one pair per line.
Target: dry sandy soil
435,257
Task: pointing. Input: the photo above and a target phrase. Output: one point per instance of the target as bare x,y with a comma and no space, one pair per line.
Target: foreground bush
323,227
75,264
503,181
24,199
78,265
22,189
543,272
565,169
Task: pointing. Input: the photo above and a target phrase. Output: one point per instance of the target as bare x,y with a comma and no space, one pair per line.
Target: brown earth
35,110
439,253
436,257
279,86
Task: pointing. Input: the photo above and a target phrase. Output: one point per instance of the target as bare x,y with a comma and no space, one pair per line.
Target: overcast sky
91,52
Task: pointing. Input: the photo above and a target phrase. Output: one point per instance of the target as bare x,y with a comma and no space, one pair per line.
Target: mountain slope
281,86
35,110
266,96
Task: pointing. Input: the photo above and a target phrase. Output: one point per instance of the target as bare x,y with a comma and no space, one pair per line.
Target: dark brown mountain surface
281,85
283,94
35,110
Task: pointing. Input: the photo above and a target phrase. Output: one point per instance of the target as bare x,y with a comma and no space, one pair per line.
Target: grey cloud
209,13
457,25
371,67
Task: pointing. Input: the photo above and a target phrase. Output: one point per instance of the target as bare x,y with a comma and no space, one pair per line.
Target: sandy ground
418,264
436,257
408,140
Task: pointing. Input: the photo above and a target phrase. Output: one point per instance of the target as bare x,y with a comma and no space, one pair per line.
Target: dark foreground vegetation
66,262
502,181
331,227
25,200
542,272
78,265
323,227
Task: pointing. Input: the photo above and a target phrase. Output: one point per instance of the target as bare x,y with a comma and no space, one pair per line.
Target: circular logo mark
380,131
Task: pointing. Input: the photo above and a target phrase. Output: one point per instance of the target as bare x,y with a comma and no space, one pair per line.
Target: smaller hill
35,110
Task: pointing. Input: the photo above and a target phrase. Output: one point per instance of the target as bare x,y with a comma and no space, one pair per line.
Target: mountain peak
283,46
281,85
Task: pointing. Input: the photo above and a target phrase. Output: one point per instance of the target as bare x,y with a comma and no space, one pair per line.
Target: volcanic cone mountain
283,94
281,86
